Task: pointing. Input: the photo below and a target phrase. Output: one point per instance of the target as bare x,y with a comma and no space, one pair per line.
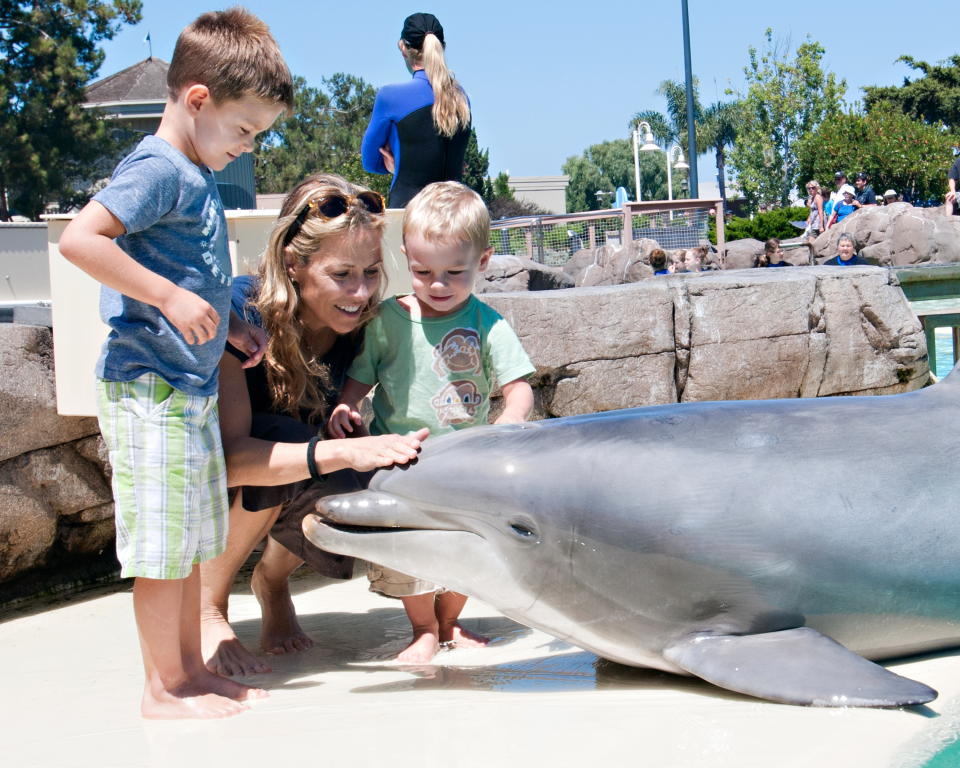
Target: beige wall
24,268
78,332
549,192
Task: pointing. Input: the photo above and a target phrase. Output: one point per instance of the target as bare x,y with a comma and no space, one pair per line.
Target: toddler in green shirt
435,355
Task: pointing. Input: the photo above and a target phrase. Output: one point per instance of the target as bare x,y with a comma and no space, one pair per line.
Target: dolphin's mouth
364,529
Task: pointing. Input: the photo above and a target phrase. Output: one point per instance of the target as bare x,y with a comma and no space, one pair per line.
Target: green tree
897,151
501,186
604,167
322,135
785,100
476,168
933,98
49,144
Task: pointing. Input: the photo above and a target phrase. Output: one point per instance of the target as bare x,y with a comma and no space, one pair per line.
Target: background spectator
772,254
817,220
865,194
658,261
836,197
844,207
953,176
846,253
890,196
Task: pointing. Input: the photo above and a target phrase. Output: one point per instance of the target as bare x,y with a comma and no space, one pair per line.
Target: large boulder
896,235
27,394
611,265
742,254
48,496
518,273
730,335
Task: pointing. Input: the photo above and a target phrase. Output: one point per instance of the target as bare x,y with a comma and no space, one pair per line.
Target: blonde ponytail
451,112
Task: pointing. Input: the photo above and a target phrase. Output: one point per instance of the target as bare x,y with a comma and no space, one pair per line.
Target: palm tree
671,128
718,131
715,127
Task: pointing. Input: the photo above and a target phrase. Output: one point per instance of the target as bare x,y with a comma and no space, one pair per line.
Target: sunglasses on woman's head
330,207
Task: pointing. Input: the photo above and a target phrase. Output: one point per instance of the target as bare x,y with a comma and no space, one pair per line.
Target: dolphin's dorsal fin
795,666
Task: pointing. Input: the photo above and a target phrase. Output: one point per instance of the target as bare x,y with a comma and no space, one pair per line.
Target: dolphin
773,547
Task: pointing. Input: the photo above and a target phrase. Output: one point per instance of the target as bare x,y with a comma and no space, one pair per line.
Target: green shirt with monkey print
436,372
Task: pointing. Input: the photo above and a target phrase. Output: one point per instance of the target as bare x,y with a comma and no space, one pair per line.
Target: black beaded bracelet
315,473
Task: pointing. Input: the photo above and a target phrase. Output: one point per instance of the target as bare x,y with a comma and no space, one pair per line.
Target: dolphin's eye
521,530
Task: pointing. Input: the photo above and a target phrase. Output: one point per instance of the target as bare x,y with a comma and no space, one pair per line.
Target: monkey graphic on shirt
457,353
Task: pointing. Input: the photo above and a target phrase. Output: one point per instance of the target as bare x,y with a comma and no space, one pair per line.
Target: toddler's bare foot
182,704
460,637
224,654
423,648
280,631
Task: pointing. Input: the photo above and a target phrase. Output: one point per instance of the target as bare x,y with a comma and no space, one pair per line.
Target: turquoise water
944,351
947,758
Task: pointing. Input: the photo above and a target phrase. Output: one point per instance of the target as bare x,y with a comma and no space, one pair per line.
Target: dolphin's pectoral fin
795,666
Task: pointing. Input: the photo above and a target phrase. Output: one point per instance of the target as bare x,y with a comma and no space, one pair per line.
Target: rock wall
55,500
709,336
748,334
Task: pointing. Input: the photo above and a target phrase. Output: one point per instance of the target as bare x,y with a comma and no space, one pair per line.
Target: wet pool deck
71,681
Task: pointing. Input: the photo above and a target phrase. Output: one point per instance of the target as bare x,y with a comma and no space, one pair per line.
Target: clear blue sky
546,80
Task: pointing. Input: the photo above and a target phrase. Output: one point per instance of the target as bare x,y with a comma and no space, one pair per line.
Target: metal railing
553,239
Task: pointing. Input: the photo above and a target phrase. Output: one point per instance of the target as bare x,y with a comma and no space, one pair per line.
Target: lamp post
688,78
648,145
674,155
679,163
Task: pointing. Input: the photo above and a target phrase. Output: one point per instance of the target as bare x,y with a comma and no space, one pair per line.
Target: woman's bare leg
200,678
280,633
224,653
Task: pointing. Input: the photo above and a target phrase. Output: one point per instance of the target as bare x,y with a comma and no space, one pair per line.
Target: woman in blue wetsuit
419,129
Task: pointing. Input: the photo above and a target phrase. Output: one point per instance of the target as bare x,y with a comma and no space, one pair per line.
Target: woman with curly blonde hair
318,284
419,129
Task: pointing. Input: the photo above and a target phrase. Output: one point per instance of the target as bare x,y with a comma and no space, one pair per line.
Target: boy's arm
88,243
517,400
346,416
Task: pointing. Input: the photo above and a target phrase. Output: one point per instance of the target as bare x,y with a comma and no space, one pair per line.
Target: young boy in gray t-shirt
156,238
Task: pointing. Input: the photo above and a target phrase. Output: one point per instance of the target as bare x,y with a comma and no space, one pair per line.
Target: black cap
415,29
862,175
839,175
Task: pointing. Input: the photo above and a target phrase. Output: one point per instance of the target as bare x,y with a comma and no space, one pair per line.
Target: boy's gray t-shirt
175,226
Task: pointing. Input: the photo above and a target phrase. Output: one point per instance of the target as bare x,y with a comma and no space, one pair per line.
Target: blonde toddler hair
448,212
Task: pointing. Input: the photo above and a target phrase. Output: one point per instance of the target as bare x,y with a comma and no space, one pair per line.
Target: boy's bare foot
182,704
423,648
280,631
224,654
460,637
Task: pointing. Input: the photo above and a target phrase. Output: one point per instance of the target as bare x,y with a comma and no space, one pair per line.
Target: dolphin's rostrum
769,547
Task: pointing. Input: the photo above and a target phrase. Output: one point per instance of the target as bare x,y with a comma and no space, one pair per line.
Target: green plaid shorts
169,476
